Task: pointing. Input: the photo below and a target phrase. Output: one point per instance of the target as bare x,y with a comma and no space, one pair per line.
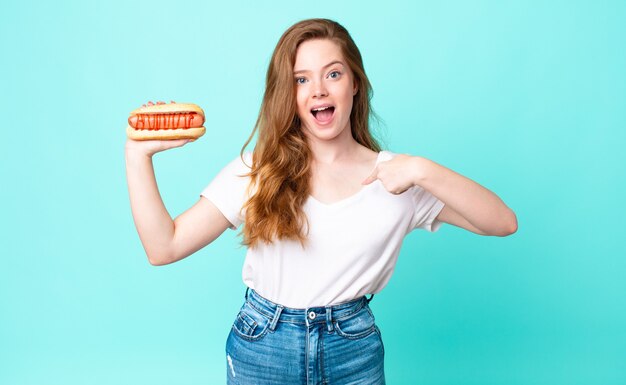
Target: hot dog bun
166,122
169,134
167,108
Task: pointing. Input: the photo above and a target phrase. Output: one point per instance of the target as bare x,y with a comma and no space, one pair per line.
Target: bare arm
467,204
470,205
166,240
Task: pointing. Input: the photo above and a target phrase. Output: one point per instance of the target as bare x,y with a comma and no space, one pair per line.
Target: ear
355,89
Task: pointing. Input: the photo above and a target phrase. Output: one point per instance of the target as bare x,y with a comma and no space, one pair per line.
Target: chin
327,134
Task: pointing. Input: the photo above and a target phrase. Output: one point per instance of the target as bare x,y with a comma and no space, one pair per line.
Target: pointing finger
373,176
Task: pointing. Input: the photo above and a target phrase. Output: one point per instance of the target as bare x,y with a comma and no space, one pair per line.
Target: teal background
525,97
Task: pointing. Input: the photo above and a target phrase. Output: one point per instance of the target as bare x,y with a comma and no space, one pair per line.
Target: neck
337,149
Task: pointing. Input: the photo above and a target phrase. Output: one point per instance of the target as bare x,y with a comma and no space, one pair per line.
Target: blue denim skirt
272,344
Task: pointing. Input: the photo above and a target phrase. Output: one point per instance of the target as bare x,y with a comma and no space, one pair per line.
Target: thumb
373,176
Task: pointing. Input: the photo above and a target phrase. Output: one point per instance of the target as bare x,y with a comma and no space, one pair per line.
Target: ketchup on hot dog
166,121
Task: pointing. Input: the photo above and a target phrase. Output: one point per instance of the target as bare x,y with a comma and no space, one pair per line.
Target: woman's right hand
151,147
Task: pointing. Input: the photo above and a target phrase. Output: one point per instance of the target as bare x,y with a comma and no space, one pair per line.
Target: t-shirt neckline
350,198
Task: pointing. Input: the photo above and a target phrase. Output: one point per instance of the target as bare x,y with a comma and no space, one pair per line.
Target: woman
324,212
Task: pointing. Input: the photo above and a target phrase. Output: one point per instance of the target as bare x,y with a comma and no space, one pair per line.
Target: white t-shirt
352,248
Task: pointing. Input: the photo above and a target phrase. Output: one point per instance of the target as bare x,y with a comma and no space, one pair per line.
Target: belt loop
329,319
370,299
279,310
246,296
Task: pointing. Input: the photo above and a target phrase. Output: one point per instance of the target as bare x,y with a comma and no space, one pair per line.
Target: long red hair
280,171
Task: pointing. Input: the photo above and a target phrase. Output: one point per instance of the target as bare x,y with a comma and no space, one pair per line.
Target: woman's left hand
397,175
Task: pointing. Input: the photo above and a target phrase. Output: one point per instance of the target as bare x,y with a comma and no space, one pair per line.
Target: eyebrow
327,65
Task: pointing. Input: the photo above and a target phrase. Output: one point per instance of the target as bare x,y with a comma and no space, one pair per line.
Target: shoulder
242,163
385,155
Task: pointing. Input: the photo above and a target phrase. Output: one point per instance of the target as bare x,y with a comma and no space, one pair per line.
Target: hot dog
166,122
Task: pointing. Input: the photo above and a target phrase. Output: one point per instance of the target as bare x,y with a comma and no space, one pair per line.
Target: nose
320,90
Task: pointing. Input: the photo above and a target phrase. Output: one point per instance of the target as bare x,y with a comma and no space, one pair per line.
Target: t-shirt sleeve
227,191
426,208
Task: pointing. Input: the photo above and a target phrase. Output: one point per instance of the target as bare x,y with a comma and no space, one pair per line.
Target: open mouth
323,114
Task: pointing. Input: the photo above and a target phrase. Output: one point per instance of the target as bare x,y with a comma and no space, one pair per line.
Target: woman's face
324,89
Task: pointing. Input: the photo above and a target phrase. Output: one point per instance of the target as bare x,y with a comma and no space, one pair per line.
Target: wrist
136,155
420,169
135,149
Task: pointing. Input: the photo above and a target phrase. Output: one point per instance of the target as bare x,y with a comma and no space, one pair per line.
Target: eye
334,74
300,80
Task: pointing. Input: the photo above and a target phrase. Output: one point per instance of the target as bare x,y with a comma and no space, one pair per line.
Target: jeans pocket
358,325
380,337
250,324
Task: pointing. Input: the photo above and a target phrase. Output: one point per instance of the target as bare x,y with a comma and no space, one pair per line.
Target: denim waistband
280,313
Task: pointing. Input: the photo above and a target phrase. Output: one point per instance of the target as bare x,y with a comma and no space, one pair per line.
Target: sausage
164,121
